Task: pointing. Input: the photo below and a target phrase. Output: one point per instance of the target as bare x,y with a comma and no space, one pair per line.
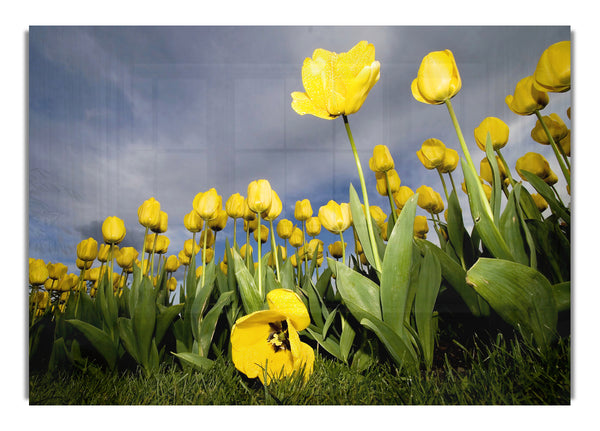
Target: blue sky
120,114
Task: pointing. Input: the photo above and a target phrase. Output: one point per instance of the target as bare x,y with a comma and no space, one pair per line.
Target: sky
121,114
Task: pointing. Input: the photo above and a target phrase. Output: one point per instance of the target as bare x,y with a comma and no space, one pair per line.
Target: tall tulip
553,71
438,79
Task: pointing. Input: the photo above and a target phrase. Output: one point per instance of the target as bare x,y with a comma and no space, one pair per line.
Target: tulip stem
274,250
561,162
143,248
204,256
151,269
304,251
248,247
389,193
234,232
259,244
343,248
444,185
461,138
365,196
501,157
453,185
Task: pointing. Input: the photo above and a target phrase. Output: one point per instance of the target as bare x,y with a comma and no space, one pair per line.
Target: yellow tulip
335,249
193,222
246,248
449,162
250,225
551,178
553,71
56,270
275,208
381,183
113,230
191,248
163,222
497,129
285,228
259,196
382,160
432,153
438,79
438,206
526,98
103,252
313,226
248,214
565,144
303,210
207,204
38,272
555,125
83,264
126,257
172,284
402,195
485,170
420,227
336,84
208,254
297,238
377,214
540,202
149,213
235,206
87,249
264,234
184,258
280,249
210,238
427,199
67,283
267,341
334,217
534,163
218,224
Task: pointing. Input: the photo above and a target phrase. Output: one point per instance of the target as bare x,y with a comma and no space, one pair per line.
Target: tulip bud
193,222
264,234
184,258
382,160
313,226
432,153
285,228
438,79
245,248
450,161
420,227
163,222
402,195
303,210
38,272
565,144
392,178
56,270
427,199
191,248
297,238
534,163
248,215
149,213
207,204
126,257
335,249
526,99
259,196
219,223
377,214
87,249
485,170
103,252
162,244
113,230
555,125
83,264
334,217
250,226
172,284
553,71
208,254
275,208
540,202
235,206
497,129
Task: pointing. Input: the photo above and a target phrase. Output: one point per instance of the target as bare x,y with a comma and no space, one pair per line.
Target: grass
497,371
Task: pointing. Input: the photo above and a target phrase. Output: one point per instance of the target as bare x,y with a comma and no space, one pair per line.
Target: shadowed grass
504,372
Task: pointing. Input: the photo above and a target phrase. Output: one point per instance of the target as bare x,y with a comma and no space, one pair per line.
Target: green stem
510,178
234,231
444,185
389,193
259,244
343,248
304,247
561,162
203,257
365,197
274,249
453,185
248,247
461,138
151,269
143,248
558,196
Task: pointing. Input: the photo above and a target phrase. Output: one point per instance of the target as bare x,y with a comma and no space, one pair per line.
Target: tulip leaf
455,275
456,226
396,269
144,320
208,324
562,295
510,227
482,215
101,341
496,197
327,343
287,275
314,305
360,225
403,354
359,293
128,338
329,322
195,360
251,299
521,295
554,249
164,318
548,194
428,286
346,339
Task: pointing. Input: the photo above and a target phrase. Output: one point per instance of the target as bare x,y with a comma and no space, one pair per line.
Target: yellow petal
358,89
350,64
287,302
316,73
302,104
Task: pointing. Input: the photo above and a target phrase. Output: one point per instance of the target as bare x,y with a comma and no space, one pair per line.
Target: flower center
279,336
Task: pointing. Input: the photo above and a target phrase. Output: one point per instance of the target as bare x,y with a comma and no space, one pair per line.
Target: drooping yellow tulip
87,249
259,196
432,153
382,160
334,217
113,230
555,125
526,98
497,129
553,71
438,79
267,341
336,84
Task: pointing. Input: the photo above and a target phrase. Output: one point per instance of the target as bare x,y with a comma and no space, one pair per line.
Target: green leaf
144,320
547,193
483,217
164,319
195,360
251,299
397,262
328,344
359,222
101,341
402,353
128,337
521,295
456,226
428,287
359,293
562,295
510,227
346,339
496,198
208,324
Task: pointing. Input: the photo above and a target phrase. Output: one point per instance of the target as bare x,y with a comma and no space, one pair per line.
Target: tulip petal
302,104
350,64
288,303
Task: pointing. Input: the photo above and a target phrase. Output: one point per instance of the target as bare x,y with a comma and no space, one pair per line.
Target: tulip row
514,261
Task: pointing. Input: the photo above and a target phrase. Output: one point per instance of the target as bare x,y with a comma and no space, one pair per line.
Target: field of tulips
383,300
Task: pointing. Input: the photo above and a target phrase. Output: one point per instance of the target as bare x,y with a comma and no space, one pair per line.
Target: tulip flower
218,224
402,196
246,248
87,250
336,84
113,230
565,144
126,257
534,163
553,71
297,238
190,247
485,170
497,129
207,204
449,162
163,222
554,124
285,228
303,210
266,342
149,213
438,79
540,202
259,196
393,180
264,234
427,199
382,160
56,270
432,153
38,272
172,284
336,249
235,206
377,213
313,226
526,99
420,227
193,222
334,217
